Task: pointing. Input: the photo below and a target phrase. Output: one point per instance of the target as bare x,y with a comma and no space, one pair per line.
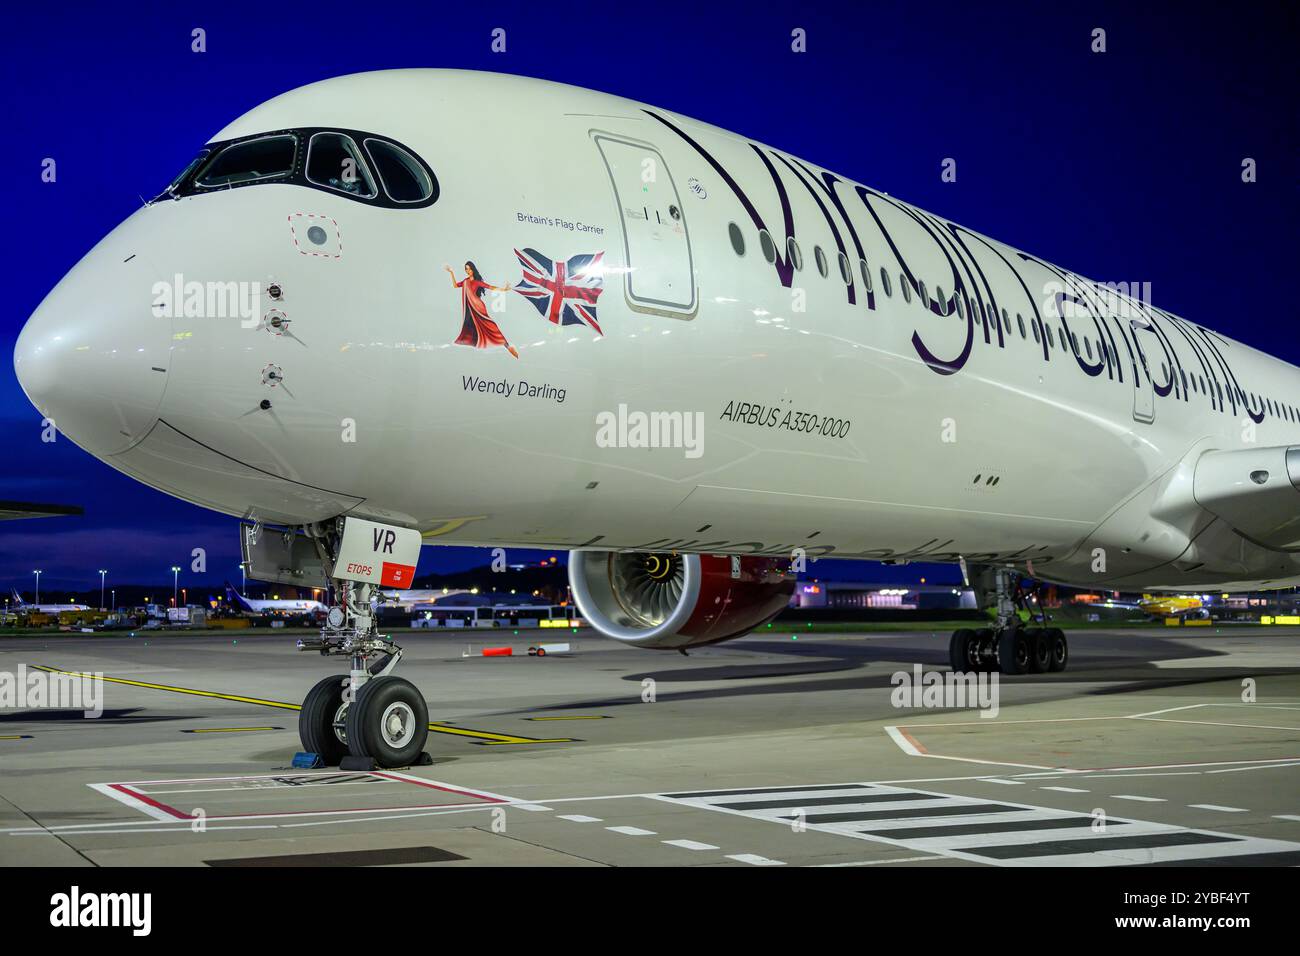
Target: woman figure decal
478,329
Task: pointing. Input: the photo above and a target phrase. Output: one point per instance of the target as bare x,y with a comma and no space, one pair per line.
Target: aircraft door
1148,348
660,274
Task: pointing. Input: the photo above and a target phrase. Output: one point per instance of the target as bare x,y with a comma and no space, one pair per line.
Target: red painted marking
433,786
480,799
137,795
498,652
913,741
396,575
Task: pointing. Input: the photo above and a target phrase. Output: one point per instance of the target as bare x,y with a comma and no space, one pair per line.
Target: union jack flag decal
564,292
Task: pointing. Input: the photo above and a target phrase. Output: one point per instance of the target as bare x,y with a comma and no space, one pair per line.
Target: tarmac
789,748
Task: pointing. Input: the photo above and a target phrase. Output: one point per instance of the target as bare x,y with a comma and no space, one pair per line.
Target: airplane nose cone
93,358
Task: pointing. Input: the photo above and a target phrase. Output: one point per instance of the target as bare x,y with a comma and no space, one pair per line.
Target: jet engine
670,600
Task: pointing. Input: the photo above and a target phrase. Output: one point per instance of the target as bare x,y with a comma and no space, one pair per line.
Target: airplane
1161,605
405,600
695,361
23,607
272,606
1171,605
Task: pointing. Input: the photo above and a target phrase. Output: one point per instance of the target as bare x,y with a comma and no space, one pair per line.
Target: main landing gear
368,714
1007,646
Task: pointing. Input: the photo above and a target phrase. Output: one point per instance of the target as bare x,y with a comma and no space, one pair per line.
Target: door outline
1144,388
640,303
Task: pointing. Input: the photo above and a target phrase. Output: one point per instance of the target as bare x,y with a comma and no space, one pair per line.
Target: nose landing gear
1008,646
369,714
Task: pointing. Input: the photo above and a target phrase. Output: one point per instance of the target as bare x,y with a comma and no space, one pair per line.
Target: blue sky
1121,166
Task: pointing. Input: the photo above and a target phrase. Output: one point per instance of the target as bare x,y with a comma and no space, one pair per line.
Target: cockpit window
244,162
335,161
346,163
403,177
189,168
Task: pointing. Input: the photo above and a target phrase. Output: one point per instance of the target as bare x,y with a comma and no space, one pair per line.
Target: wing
1255,490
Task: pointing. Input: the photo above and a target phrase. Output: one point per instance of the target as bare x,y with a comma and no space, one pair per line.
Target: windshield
255,159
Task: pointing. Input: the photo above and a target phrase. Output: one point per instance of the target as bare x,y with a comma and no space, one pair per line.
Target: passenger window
920,291
1051,341
961,309
866,274
737,238
796,256
1020,321
246,162
401,174
884,282
943,303
906,287
846,271
767,245
334,161
820,256
1034,325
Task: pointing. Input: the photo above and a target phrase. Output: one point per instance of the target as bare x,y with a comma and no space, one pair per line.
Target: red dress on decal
478,329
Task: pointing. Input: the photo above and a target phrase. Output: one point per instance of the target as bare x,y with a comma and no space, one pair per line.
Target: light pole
102,572
114,594
176,579
243,578
37,572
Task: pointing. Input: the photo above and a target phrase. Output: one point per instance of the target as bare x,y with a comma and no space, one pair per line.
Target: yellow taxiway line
477,736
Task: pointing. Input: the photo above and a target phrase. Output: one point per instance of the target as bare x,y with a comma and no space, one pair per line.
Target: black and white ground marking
996,832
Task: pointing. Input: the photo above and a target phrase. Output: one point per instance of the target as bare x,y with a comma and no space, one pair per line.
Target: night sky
1120,166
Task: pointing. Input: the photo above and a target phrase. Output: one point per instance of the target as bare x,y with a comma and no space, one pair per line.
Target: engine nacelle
671,600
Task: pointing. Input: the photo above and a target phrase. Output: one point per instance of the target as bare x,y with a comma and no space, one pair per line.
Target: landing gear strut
1007,646
369,713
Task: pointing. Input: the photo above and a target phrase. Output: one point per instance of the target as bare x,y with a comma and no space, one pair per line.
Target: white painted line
905,801
1064,789
631,831
1129,796
1286,816
989,721
1027,838
530,806
1167,710
210,829
903,859
797,798
579,818
754,859
1009,783
897,827
1179,766
1218,723
690,845
1272,766
131,801
1215,806
904,744
1189,853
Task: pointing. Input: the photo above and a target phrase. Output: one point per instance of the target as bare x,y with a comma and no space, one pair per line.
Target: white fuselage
846,422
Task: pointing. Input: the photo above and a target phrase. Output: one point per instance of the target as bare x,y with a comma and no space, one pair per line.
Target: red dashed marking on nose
338,235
